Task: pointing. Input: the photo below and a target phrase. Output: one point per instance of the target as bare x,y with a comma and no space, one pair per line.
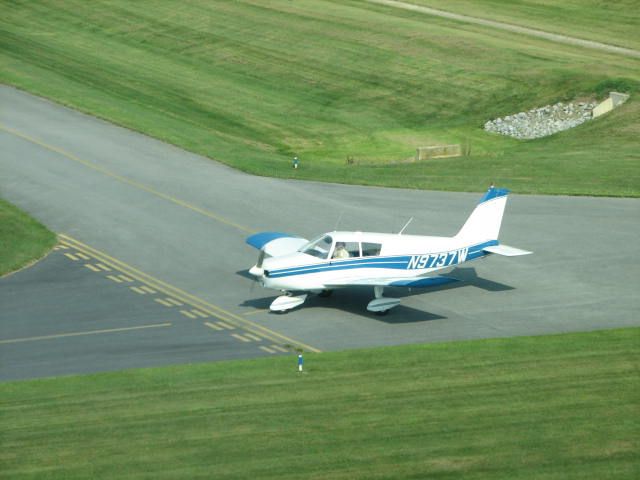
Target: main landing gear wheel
381,305
284,303
325,293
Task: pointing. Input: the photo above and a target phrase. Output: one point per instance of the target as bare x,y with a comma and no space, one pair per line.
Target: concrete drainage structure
544,121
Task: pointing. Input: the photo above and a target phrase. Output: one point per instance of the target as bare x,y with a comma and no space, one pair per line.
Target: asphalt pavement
181,220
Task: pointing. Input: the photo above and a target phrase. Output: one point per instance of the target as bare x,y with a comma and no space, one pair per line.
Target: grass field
615,22
252,84
22,239
558,407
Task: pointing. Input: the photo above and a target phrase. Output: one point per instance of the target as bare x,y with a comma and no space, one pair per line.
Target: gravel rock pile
543,121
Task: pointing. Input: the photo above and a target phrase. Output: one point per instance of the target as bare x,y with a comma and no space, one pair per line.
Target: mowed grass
556,407
615,22
252,84
22,239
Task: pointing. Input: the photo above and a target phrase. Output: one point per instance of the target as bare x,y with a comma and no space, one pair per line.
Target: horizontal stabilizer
506,250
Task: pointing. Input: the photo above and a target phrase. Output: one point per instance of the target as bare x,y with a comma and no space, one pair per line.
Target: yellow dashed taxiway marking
200,314
78,334
114,278
253,337
214,326
240,337
214,310
279,348
226,325
267,349
91,267
226,319
83,256
71,256
103,267
172,302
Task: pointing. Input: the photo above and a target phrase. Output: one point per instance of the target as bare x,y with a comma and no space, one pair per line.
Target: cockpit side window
346,250
353,248
319,248
371,249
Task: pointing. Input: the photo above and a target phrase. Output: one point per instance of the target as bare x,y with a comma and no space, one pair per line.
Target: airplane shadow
469,276
354,299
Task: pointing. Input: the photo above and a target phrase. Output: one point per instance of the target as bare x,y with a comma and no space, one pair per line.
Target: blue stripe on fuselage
401,262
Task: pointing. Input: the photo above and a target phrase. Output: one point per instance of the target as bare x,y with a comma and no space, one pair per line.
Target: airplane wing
275,243
506,250
423,282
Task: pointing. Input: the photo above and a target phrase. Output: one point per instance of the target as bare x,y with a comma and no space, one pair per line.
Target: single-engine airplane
345,259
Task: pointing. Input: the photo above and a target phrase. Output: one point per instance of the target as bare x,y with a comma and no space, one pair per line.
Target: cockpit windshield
319,248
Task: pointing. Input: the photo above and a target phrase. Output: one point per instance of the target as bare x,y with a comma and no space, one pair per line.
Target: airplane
341,259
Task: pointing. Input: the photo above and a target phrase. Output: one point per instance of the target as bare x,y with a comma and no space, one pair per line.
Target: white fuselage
372,256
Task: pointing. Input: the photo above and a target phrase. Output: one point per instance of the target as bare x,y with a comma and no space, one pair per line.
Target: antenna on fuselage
335,229
405,226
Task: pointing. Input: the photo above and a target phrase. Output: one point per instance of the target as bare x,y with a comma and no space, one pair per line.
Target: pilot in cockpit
340,251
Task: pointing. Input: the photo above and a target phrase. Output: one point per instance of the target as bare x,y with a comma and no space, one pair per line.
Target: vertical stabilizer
484,222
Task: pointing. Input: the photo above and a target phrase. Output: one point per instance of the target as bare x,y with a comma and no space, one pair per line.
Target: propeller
256,271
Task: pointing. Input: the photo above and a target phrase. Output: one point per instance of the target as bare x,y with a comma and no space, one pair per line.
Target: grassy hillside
22,239
253,84
558,407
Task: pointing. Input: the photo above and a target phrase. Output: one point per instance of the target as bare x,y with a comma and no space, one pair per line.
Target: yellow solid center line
78,334
227,319
126,180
